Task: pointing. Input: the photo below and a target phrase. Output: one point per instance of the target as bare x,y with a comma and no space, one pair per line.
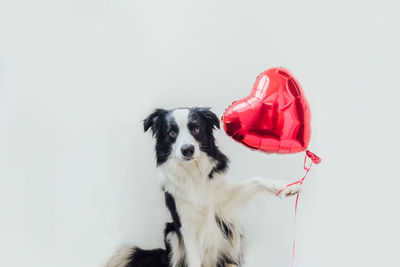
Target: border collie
205,230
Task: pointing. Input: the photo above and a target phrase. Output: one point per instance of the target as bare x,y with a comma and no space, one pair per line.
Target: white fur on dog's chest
197,198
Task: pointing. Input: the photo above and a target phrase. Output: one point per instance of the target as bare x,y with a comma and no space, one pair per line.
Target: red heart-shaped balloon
275,118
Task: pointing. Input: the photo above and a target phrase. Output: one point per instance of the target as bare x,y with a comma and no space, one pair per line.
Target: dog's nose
187,150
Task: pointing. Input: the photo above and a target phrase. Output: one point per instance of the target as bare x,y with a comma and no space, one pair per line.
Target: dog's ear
209,116
152,120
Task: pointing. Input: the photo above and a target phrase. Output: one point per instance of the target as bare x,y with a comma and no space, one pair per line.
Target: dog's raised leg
239,195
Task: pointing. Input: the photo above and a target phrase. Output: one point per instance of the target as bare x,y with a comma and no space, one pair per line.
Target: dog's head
182,134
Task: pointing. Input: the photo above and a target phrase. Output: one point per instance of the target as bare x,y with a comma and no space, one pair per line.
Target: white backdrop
77,172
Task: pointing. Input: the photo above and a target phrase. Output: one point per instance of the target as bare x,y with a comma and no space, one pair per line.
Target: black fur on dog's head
184,133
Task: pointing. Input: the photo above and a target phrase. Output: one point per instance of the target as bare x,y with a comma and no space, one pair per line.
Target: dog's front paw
291,190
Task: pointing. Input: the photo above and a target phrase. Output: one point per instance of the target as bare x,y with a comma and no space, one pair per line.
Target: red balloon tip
315,159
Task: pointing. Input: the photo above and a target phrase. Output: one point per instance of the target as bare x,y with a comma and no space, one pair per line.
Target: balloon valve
314,158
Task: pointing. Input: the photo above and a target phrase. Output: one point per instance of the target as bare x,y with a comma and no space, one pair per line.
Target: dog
205,230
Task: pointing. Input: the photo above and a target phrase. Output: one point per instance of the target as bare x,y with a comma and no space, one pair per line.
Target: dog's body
205,231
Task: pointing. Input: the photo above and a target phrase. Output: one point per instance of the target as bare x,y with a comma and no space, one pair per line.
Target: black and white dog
205,230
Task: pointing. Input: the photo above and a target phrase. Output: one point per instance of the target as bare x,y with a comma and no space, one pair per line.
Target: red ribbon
314,159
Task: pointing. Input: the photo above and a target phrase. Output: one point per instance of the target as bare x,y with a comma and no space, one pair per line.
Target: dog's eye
196,130
172,133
